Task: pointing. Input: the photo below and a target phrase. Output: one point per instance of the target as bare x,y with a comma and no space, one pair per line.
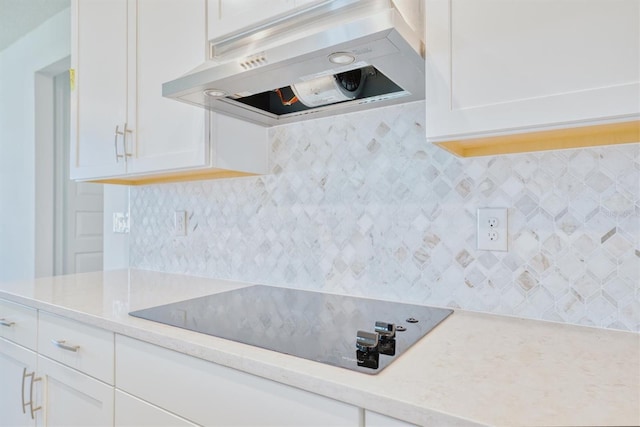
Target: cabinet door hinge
72,79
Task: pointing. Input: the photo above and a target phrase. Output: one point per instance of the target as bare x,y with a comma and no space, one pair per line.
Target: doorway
69,215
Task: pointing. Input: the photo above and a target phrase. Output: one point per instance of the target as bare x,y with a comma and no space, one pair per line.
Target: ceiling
18,17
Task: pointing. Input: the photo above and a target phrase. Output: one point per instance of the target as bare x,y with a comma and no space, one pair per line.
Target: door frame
46,187
51,169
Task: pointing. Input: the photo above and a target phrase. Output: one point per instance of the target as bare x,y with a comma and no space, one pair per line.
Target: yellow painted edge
174,177
555,139
72,79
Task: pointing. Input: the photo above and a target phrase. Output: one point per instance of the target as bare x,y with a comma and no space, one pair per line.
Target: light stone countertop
473,368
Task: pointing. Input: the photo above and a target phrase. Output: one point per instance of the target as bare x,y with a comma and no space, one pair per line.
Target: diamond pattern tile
361,204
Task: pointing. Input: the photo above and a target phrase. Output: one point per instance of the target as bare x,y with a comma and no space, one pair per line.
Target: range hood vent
332,58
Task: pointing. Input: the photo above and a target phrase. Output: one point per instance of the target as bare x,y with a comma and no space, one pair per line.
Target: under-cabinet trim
551,139
174,177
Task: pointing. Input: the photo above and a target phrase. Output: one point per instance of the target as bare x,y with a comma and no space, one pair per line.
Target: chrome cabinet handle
24,376
5,322
63,345
124,133
115,143
32,410
124,141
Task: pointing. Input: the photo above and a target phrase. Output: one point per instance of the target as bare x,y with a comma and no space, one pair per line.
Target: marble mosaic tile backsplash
360,204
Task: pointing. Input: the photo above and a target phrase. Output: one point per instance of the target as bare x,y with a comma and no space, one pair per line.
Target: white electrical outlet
120,222
492,229
180,223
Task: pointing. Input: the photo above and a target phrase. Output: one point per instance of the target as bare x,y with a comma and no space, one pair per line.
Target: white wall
47,44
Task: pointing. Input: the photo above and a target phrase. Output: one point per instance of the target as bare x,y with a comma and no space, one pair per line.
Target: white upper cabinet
123,129
125,50
171,40
229,16
99,98
508,66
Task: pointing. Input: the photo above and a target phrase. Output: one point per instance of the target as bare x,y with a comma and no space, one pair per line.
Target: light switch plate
492,229
120,222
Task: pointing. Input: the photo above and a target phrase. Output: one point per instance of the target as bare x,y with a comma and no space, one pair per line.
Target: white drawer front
19,324
214,395
83,347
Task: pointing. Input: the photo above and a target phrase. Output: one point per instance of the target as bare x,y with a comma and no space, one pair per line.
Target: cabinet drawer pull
32,410
62,344
5,322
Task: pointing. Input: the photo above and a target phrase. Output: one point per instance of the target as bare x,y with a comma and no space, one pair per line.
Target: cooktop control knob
367,341
387,341
386,330
367,349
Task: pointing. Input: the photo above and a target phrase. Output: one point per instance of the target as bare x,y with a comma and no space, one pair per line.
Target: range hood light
215,93
341,58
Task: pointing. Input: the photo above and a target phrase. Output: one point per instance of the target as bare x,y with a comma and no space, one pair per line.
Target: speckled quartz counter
473,368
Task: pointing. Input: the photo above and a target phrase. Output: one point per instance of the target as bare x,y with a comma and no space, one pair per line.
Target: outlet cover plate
492,229
120,222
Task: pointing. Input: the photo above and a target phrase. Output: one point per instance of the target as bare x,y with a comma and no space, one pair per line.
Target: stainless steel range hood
332,58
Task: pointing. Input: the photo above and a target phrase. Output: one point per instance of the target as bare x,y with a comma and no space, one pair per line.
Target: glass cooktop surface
361,334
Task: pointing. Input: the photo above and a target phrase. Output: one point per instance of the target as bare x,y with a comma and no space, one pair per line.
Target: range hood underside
377,44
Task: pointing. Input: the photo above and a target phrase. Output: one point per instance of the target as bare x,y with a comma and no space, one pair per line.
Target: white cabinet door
71,398
15,387
99,95
171,40
214,395
502,65
133,412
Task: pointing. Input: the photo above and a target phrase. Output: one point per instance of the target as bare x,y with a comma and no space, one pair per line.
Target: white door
14,386
83,245
79,210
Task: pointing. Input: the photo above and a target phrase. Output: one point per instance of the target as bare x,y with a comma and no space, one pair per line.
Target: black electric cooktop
361,334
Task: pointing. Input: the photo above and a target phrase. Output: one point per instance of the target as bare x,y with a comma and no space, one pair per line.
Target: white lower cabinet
18,363
75,364
71,398
77,345
17,367
133,412
213,395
